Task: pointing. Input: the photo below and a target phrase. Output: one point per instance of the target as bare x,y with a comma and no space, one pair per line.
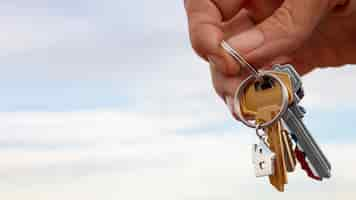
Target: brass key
275,140
264,93
264,99
289,155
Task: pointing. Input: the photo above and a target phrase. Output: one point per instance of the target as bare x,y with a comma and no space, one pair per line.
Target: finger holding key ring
240,90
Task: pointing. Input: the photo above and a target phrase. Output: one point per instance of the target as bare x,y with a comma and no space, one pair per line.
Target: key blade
312,151
300,126
274,139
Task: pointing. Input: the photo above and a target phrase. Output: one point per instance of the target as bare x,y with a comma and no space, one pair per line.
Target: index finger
204,20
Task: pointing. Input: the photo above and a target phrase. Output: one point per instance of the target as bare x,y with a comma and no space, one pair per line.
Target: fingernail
230,104
280,60
216,61
247,41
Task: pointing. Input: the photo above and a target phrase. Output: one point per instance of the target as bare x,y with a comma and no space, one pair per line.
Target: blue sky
106,100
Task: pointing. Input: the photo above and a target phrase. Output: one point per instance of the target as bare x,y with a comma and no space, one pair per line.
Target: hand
305,33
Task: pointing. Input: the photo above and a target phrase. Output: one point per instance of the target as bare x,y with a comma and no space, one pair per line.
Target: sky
106,100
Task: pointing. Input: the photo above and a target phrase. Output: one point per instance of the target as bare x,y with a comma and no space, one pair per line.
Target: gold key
279,178
264,93
289,155
264,99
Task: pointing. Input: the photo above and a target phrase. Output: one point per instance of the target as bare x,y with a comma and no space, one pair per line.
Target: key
260,99
293,119
264,93
289,154
312,151
279,178
263,159
299,112
295,78
305,165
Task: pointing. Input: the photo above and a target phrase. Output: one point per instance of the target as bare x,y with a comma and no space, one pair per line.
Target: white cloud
21,34
331,89
140,154
157,66
130,156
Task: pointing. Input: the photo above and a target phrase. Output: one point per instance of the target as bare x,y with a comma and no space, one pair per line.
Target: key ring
239,58
256,75
261,136
258,127
243,86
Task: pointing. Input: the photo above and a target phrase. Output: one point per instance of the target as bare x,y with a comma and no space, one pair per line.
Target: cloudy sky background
106,100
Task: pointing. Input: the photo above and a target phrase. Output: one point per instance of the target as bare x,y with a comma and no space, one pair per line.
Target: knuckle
187,4
198,49
285,21
199,38
288,25
196,41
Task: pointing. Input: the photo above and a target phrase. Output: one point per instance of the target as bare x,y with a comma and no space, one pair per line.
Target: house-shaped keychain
263,159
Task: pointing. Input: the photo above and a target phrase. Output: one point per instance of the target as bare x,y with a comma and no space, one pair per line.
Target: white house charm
263,159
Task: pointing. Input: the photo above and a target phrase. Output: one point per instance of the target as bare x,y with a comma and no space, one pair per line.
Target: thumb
281,33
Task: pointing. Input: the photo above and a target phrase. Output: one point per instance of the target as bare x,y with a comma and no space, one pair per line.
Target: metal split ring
262,136
241,89
239,58
258,127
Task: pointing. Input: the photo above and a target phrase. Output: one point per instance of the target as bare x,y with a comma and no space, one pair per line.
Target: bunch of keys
268,101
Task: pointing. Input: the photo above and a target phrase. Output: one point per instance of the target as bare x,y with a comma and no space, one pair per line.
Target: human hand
305,33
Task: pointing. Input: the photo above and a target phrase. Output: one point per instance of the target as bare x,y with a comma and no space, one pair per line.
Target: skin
308,34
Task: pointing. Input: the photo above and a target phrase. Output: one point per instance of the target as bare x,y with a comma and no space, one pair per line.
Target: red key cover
304,164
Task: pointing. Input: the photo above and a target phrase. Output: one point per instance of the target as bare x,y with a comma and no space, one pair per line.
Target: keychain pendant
263,160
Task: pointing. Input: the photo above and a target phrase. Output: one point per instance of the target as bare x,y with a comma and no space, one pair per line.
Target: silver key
298,90
304,139
297,83
293,120
263,159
